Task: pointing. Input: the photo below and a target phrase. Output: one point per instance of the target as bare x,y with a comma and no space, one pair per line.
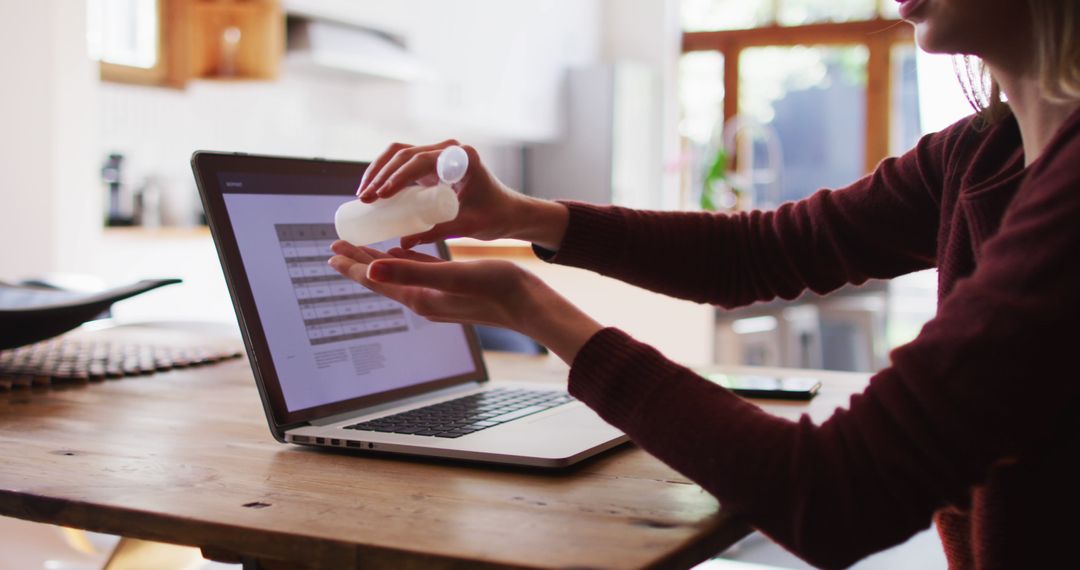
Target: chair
506,340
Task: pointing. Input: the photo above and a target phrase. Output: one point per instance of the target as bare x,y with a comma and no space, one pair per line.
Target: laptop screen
330,339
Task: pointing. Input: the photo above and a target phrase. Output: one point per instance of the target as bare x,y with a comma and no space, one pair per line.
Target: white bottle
413,210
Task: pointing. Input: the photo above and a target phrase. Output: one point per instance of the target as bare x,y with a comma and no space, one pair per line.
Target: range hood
326,44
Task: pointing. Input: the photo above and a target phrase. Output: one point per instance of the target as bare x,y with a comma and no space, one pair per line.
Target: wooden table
185,457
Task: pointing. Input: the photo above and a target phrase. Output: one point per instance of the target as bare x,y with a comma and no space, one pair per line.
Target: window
793,95
123,32
813,99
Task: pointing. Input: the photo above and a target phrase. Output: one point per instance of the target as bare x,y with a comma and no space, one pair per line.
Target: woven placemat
63,361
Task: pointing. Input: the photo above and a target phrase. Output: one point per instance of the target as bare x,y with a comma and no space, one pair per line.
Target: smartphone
769,387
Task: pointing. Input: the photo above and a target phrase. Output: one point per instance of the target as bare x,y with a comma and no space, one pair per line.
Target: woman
975,424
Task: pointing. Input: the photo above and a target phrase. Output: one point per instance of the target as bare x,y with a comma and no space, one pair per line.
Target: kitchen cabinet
171,42
236,39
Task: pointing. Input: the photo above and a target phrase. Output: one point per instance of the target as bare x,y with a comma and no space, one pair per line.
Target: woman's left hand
490,292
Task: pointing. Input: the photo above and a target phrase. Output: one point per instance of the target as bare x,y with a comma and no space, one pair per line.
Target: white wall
647,32
49,207
304,113
498,66
495,67
301,114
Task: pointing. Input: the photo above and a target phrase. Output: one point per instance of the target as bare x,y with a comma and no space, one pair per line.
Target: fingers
409,242
429,180
377,165
424,302
357,271
472,277
361,254
405,169
384,177
473,304
414,255
474,161
440,231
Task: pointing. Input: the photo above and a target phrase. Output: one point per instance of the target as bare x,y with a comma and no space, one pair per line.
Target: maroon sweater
976,423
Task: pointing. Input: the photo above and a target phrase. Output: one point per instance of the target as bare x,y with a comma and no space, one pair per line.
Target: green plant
716,173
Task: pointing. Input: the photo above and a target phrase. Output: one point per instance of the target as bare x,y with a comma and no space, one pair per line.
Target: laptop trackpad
576,418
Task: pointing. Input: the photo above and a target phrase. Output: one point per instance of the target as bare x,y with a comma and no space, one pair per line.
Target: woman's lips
908,7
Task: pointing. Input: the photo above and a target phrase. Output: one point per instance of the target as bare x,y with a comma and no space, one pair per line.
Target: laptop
338,365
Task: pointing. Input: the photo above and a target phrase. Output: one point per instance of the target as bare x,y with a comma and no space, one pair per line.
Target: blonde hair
981,90
1056,29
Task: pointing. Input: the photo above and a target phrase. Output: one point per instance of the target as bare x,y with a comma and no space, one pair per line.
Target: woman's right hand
489,209
490,291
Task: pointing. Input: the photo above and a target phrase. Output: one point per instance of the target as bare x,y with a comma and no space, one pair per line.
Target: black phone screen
772,387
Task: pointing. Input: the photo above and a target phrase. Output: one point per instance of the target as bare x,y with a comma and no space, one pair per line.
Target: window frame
170,69
879,36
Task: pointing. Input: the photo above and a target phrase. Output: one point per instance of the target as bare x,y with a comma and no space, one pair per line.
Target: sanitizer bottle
413,210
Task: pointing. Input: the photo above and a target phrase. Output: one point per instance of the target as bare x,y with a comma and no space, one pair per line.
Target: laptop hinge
427,396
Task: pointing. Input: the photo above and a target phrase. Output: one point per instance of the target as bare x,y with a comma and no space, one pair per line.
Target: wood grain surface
186,457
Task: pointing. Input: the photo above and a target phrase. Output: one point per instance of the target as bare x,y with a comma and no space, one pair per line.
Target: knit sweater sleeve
954,402
882,226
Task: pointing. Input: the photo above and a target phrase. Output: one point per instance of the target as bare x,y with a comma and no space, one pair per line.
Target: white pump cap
452,165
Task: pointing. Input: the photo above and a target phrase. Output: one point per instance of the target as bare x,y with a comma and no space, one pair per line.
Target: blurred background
722,105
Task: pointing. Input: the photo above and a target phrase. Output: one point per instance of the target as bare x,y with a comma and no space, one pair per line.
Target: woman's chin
931,42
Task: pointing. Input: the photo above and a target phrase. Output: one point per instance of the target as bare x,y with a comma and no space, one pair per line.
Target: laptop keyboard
462,416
